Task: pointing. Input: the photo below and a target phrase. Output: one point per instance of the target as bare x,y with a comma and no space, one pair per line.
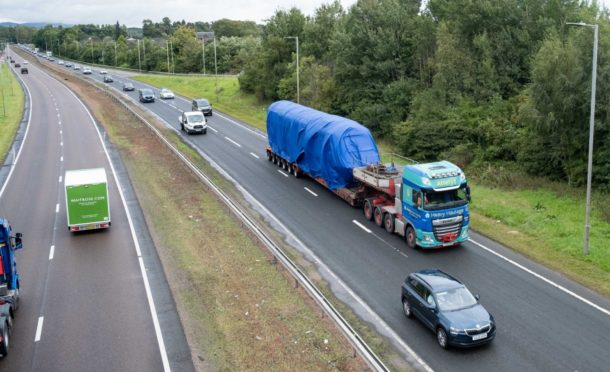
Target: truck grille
196,127
447,232
477,331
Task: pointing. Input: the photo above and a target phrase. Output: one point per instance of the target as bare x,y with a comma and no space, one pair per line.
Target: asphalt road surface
84,306
545,322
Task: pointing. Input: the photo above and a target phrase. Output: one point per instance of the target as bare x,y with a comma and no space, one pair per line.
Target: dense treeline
502,81
157,46
487,81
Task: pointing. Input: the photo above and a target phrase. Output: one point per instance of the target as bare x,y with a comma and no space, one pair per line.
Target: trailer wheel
269,156
378,214
388,222
368,210
410,237
4,345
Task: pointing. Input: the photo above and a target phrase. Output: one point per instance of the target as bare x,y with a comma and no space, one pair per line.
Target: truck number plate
479,337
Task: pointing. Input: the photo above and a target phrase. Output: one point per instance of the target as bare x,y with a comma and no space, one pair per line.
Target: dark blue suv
448,308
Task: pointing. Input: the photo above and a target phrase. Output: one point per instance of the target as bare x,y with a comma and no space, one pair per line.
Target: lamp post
90,39
203,50
585,249
115,60
215,70
139,61
167,53
298,83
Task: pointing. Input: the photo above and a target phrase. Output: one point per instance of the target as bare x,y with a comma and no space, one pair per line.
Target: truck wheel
410,237
388,222
269,156
368,210
4,345
378,214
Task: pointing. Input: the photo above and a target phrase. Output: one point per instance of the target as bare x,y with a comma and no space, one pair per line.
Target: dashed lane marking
254,155
233,142
311,192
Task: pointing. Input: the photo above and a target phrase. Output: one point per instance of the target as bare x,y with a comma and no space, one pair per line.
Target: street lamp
215,69
585,248
91,40
115,60
139,61
298,88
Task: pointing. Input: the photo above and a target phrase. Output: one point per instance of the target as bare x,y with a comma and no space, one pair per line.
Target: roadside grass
12,100
231,100
546,223
239,311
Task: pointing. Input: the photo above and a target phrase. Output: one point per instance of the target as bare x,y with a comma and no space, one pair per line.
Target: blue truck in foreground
9,283
427,204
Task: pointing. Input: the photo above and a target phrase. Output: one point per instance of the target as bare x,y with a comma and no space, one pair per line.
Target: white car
60,62
25,62
103,72
166,94
86,71
76,67
193,122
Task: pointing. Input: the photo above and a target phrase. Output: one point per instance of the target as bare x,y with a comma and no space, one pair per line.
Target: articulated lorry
427,204
87,205
9,282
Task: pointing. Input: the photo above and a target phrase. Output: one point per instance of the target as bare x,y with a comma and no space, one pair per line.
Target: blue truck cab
9,282
434,198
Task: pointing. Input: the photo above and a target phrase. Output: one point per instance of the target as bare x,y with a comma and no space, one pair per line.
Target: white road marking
61,159
212,129
283,174
58,115
61,144
60,178
39,329
57,208
233,142
548,281
256,156
362,226
52,253
311,192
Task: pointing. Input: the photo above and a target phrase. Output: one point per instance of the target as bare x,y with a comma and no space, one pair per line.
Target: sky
131,13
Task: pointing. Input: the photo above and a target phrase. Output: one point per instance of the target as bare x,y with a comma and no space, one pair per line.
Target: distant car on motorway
60,62
24,70
193,122
146,95
17,65
448,308
103,72
25,62
203,105
108,79
166,94
76,67
68,64
86,71
128,87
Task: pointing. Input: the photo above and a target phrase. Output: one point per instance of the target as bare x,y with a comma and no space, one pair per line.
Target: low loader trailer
427,204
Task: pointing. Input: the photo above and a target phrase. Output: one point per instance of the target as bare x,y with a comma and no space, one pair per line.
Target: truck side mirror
18,244
468,194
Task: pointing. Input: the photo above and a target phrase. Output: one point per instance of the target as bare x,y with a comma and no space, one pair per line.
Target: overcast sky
131,13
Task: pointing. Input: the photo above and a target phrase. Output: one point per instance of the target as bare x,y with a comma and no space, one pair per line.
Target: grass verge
239,311
231,100
546,224
11,108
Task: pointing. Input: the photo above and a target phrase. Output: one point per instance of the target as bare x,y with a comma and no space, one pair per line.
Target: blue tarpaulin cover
323,145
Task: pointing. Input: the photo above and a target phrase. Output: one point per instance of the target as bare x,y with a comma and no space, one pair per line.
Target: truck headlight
428,238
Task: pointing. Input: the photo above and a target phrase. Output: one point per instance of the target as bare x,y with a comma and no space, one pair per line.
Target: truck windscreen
434,200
